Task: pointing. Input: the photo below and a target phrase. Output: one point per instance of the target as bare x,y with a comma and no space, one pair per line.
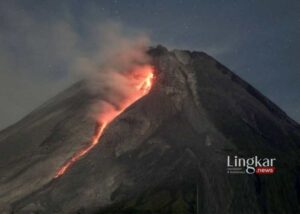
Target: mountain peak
166,153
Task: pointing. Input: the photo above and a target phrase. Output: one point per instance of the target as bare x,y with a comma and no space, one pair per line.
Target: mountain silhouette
166,153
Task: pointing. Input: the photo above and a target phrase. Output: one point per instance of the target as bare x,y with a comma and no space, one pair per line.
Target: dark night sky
257,39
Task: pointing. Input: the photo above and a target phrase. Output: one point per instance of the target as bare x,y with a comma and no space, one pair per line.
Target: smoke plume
115,70
38,56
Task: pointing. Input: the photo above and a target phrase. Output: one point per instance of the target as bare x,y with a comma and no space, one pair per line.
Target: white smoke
107,69
38,56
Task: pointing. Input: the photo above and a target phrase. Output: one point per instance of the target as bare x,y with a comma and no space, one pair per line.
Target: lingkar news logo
252,165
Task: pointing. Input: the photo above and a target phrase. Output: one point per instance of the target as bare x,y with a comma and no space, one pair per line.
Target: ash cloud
109,70
39,57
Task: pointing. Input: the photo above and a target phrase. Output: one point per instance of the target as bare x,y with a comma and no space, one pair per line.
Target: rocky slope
165,154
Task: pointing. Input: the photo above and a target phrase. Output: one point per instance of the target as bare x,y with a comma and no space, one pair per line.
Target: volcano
165,153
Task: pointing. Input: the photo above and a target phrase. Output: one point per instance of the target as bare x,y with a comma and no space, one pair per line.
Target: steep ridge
165,153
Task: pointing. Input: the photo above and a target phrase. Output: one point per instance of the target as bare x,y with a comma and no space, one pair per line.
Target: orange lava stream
143,79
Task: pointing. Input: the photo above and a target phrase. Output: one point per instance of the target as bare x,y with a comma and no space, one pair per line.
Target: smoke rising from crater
114,71
39,56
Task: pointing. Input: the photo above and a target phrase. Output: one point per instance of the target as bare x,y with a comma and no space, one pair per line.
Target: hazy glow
141,79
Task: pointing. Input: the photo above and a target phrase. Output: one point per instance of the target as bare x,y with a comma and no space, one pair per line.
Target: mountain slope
166,153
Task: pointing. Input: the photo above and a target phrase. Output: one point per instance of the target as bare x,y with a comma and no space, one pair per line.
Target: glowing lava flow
142,79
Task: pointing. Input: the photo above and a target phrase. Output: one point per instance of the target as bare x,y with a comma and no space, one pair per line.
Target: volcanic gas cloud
137,82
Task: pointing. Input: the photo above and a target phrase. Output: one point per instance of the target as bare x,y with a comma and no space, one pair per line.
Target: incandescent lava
141,79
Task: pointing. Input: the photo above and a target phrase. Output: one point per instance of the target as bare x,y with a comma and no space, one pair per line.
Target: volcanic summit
164,152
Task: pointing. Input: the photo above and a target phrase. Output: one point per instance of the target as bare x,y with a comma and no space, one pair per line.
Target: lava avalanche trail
141,80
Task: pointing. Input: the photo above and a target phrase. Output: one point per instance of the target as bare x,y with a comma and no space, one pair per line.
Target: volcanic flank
165,151
141,80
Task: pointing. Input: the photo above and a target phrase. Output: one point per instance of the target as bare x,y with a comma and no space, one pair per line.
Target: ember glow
140,80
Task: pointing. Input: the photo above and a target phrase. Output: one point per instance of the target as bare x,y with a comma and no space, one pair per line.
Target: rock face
166,153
